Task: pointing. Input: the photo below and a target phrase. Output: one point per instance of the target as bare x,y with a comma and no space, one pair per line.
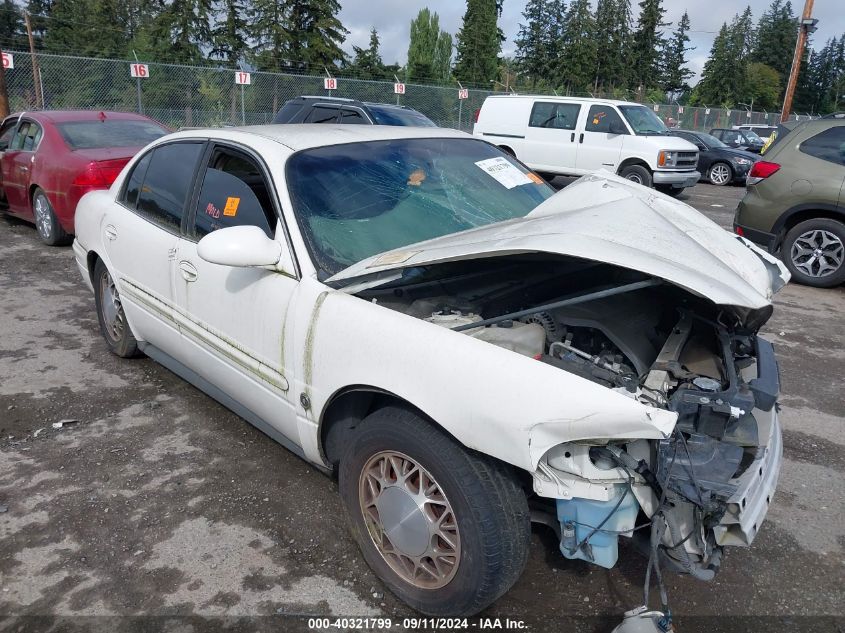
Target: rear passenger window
353,117
600,117
322,115
136,179
560,116
828,145
234,193
161,199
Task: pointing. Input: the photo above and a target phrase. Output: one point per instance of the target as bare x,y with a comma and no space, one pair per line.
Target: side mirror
240,246
617,127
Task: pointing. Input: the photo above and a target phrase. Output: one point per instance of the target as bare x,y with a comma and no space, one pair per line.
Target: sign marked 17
242,78
140,71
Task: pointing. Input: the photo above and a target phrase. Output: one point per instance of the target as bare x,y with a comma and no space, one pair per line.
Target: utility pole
4,93
807,26
36,71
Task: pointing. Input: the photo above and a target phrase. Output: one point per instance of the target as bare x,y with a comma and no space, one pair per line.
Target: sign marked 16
141,71
242,78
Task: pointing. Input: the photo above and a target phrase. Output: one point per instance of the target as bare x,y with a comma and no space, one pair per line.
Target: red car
50,159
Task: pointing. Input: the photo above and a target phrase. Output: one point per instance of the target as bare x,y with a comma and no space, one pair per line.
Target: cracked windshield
355,201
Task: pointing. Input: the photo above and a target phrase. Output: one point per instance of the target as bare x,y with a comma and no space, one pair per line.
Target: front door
141,234
551,143
233,319
600,148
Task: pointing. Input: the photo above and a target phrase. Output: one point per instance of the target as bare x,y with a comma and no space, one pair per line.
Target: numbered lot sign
8,61
463,93
242,78
656,107
706,110
399,89
680,109
139,70
330,83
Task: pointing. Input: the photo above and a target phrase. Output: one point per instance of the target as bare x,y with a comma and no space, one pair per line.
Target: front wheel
637,174
46,223
110,314
447,530
720,174
814,252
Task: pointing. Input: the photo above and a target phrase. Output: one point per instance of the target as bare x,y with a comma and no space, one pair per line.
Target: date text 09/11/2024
443,624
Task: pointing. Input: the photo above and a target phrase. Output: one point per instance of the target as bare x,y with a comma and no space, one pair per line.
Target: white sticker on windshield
504,171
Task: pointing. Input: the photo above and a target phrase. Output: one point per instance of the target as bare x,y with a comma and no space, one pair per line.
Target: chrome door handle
111,232
189,272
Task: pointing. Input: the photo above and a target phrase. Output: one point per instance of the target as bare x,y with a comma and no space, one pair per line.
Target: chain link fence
201,96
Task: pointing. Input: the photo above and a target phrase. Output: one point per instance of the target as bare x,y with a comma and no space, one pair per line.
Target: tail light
477,112
760,171
99,174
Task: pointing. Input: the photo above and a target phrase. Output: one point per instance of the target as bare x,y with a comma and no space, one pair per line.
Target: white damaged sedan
467,350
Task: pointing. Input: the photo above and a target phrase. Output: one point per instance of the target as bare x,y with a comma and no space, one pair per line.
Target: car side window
600,118
136,180
828,145
560,116
320,114
167,181
20,136
26,140
234,192
354,117
6,134
731,136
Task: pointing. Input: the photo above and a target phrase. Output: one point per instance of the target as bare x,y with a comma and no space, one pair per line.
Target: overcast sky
392,19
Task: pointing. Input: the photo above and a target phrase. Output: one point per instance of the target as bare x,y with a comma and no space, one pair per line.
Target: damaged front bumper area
706,486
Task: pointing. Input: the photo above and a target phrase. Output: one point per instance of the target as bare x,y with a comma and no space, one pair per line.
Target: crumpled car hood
608,219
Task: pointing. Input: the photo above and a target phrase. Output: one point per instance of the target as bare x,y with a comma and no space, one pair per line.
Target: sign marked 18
399,89
8,61
330,83
242,78
141,71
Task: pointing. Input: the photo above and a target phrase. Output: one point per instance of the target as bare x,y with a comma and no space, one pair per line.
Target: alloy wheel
113,316
635,178
720,174
43,221
409,519
817,253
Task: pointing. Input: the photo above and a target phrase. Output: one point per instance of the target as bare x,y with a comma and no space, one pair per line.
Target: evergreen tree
479,42
87,27
716,87
763,87
578,59
613,30
12,29
39,15
777,31
269,34
532,41
429,49
646,45
367,63
180,31
229,36
675,71
314,32
556,12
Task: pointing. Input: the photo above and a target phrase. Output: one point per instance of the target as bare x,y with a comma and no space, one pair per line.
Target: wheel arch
802,213
91,258
633,160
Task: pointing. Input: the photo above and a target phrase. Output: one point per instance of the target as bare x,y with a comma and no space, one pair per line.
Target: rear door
17,166
141,234
599,148
550,139
7,132
233,318
825,165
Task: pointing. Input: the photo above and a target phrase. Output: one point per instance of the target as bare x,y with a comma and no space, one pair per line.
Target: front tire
46,223
113,325
447,530
637,174
720,174
814,252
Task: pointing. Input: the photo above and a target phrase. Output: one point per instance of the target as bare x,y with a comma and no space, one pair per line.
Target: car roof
348,101
565,99
63,116
677,129
310,135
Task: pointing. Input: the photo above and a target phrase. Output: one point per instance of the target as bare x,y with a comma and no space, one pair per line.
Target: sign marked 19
139,71
8,61
242,78
330,83
399,89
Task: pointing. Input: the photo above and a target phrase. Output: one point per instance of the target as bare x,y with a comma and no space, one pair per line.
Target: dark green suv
795,204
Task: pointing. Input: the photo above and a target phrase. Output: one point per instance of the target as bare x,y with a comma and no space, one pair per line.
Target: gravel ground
154,508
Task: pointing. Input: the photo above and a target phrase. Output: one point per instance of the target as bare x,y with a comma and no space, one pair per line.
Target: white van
572,137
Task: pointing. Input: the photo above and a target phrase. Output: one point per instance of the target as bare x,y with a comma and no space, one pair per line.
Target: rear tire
392,456
814,252
637,174
46,223
113,324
